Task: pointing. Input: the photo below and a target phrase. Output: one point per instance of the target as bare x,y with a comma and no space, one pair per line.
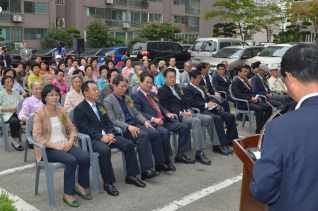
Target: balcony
120,3
192,28
191,10
115,23
142,4
134,24
6,17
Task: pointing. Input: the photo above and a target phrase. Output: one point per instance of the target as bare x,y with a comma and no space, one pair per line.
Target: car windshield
230,53
109,52
15,51
44,51
274,51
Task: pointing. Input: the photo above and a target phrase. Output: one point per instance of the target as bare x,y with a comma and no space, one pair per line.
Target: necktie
202,93
154,106
96,111
175,93
246,85
204,79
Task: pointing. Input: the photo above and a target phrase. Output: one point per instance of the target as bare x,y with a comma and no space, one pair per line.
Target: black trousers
14,125
75,156
104,158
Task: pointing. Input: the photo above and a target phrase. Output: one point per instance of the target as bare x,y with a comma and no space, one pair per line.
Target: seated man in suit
208,87
91,119
122,113
184,78
242,90
260,85
197,98
147,103
171,97
221,82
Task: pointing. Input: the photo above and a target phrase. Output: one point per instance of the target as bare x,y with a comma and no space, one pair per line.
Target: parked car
157,51
15,56
115,53
46,54
271,56
234,55
203,48
186,46
94,53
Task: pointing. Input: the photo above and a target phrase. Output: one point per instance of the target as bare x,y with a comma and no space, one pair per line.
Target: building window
178,2
33,34
5,33
192,7
60,2
116,18
178,19
157,17
90,11
100,12
13,6
35,7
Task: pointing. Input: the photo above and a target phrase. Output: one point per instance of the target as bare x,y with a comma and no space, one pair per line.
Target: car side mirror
213,55
243,57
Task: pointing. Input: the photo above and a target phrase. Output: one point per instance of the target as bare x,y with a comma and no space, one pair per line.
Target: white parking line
20,168
20,204
199,194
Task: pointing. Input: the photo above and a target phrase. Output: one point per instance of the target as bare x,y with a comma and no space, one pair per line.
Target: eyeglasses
53,95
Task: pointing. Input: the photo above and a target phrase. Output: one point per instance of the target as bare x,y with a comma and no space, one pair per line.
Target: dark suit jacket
208,84
194,97
145,108
241,91
220,84
88,123
258,86
171,102
286,174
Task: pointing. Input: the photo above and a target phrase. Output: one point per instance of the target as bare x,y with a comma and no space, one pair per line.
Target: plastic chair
63,99
244,112
48,166
135,89
25,84
130,86
94,155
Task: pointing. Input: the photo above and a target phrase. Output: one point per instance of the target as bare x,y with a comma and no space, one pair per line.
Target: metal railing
120,3
143,4
191,10
115,23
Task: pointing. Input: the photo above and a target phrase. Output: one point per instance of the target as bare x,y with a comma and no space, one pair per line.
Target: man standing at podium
285,177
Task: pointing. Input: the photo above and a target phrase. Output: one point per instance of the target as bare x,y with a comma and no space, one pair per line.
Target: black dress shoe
257,131
219,149
202,159
162,167
183,159
31,146
148,174
134,180
170,165
230,143
18,148
110,189
229,151
238,118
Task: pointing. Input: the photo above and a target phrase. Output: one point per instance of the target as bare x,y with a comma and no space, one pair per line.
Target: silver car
234,55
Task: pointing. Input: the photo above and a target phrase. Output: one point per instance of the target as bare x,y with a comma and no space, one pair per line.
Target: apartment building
28,20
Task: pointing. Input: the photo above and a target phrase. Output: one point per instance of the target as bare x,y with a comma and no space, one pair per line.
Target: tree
224,29
293,32
97,33
1,38
306,10
158,30
73,33
52,35
239,11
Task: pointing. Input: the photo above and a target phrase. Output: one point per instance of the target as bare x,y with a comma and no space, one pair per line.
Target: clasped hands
109,138
64,147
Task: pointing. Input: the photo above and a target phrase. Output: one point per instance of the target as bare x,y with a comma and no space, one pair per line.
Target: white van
203,48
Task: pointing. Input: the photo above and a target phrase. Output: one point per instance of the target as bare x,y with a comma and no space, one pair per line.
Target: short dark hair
22,63
201,65
75,60
172,57
27,63
109,61
4,78
1,63
246,66
103,67
239,68
77,71
194,74
84,86
126,60
25,42
87,66
109,73
56,72
256,64
144,75
62,62
301,62
152,64
220,65
69,58
47,89
37,56
118,78
52,62
8,69
35,65
165,73
44,62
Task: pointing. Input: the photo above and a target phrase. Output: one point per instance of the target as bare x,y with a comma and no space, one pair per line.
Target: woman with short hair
75,96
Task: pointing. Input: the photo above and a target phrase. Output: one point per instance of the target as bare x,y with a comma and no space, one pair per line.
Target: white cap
58,56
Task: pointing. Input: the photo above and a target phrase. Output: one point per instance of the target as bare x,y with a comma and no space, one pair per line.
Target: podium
247,202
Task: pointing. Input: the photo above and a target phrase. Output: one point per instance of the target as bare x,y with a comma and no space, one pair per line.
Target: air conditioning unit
18,45
17,18
109,1
125,25
60,23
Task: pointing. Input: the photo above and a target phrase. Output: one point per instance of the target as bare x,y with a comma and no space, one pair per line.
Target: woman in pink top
89,74
95,69
58,81
83,64
75,96
127,69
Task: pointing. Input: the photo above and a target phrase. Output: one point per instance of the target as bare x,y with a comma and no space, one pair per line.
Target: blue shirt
16,87
123,106
56,52
101,83
159,80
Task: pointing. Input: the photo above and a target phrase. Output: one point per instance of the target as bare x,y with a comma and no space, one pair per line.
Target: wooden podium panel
247,202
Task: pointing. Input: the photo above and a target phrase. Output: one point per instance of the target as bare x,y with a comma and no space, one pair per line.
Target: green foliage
293,32
137,39
73,33
97,33
6,204
113,41
1,38
159,30
224,29
52,35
